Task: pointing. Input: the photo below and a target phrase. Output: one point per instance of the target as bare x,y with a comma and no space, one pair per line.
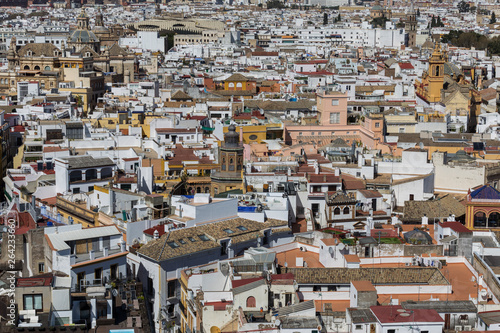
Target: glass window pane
38,302
28,302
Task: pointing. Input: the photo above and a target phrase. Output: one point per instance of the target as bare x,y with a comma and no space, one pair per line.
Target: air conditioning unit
467,328
458,328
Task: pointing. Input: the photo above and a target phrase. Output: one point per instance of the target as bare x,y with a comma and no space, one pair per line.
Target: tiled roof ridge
164,245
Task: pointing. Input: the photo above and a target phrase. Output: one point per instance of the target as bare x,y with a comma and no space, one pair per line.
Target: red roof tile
242,282
390,314
455,226
405,65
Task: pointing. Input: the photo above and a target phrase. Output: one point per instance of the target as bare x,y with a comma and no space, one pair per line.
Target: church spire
83,20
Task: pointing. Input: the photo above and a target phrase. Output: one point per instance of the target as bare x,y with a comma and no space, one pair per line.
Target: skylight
203,237
242,228
173,245
229,231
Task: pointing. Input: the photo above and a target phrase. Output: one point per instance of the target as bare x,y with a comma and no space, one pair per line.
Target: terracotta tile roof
352,183
488,94
370,193
363,286
236,77
455,226
407,275
324,179
181,242
405,65
242,282
414,210
351,258
385,314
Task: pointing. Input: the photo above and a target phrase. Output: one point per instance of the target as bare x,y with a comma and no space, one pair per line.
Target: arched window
494,220
231,85
251,302
27,67
207,189
36,68
480,219
47,68
106,173
437,70
91,174
75,176
336,211
198,189
239,85
346,210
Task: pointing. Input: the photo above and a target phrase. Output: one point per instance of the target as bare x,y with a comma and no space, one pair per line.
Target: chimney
123,246
337,172
425,220
241,133
289,172
166,227
104,251
156,234
91,255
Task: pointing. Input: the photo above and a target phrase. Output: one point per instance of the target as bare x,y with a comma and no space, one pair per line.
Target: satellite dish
341,246
277,322
401,310
114,292
330,249
405,314
484,293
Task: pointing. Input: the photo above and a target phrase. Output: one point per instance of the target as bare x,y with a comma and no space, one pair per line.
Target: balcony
76,210
82,257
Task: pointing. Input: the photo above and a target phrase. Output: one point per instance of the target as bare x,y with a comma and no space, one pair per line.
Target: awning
449,239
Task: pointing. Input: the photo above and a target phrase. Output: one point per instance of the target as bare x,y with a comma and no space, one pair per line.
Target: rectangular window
97,275
377,125
41,267
359,327
33,302
150,285
391,331
334,117
401,130
171,288
335,102
223,248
